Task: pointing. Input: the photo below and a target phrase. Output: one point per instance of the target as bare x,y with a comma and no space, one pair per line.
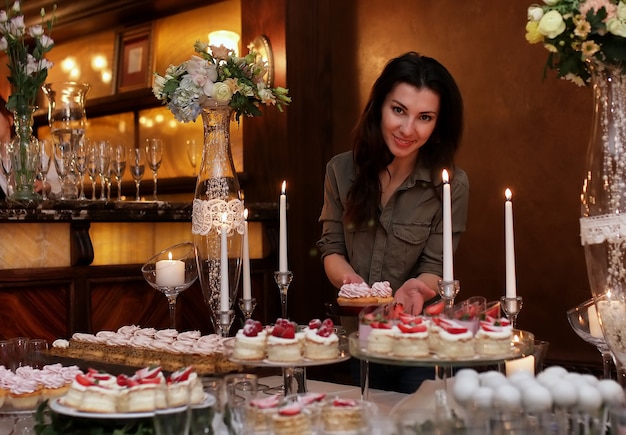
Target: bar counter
70,233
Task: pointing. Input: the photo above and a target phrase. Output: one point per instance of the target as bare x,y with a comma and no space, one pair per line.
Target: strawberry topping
291,409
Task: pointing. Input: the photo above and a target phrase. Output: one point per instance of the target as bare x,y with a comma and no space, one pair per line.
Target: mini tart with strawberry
250,341
93,391
140,392
282,343
291,419
455,340
493,337
380,338
321,341
343,416
410,338
259,411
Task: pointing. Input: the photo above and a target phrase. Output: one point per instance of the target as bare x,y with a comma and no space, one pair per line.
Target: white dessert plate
59,408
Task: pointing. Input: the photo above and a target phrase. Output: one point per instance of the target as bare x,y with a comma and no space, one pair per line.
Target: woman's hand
412,295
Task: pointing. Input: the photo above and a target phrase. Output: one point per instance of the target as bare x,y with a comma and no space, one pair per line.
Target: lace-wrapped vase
217,203
603,214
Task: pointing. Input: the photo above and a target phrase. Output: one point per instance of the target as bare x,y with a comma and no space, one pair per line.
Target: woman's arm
339,271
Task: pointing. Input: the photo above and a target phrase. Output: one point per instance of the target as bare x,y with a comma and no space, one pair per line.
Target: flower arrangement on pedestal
217,77
578,31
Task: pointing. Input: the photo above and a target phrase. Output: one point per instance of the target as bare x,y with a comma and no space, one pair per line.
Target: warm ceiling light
226,38
98,62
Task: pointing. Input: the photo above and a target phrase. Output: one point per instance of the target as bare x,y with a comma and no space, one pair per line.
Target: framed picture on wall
134,59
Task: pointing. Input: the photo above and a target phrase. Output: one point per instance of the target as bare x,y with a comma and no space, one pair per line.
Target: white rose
3,44
551,24
551,2
221,92
535,13
617,27
621,10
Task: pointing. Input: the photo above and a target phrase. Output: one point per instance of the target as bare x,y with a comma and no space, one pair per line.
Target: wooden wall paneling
294,146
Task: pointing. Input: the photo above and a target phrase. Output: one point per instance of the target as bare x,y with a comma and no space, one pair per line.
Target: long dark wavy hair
370,152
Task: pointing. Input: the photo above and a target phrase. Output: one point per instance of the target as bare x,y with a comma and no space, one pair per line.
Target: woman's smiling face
409,117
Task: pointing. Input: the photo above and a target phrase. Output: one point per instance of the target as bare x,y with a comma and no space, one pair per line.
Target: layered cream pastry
282,343
250,341
455,341
493,337
380,338
321,342
410,340
343,416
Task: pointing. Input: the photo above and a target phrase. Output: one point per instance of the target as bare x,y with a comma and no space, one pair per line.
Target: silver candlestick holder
511,308
448,291
283,280
223,321
247,306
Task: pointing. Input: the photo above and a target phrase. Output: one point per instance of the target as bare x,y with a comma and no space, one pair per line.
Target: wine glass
5,160
103,159
172,271
63,159
81,159
118,165
193,151
45,156
137,167
583,319
154,154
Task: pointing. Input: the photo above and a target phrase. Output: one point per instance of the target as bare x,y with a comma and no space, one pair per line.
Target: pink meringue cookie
382,289
353,290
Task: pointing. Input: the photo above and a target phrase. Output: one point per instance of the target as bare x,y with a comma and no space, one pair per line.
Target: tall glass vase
67,119
218,204
25,155
603,214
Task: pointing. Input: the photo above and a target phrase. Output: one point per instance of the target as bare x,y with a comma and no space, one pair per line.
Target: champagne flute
63,163
137,167
154,154
118,163
103,157
46,156
192,154
91,166
81,165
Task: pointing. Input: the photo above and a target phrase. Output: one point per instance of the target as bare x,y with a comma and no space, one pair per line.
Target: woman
6,134
382,213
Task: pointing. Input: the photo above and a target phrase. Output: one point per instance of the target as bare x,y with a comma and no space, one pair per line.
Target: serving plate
56,406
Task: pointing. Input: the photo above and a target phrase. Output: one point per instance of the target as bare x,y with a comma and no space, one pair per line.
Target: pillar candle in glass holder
447,229
170,273
282,239
224,303
509,247
247,290
526,364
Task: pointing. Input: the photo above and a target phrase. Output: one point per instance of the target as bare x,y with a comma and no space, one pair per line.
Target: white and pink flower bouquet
25,49
217,77
576,31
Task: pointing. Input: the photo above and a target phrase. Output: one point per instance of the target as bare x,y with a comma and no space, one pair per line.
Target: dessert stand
522,344
294,373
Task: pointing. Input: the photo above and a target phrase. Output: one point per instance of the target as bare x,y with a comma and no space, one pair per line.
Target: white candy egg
521,379
464,387
536,398
557,371
483,397
589,398
507,397
564,393
493,380
590,379
466,372
611,391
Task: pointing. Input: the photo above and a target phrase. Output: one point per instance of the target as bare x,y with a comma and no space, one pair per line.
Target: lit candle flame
169,256
284,188
444,176
507,194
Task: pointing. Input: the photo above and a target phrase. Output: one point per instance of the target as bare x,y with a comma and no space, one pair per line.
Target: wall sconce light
226,38
261,44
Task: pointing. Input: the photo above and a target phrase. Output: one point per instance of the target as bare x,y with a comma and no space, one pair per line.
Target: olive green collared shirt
407,240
